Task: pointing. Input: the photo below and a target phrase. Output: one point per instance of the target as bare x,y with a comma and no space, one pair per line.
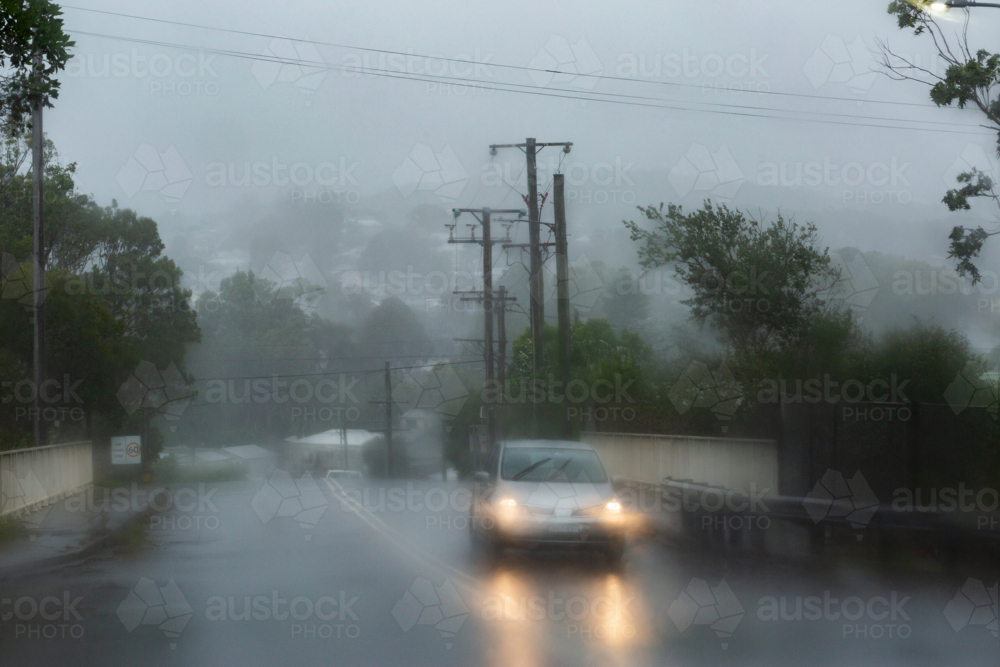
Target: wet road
268,572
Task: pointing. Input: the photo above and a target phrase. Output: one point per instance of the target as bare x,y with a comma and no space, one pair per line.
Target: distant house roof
210,455
355,438
248,451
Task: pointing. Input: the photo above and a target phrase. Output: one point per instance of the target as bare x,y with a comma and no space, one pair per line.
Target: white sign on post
126,450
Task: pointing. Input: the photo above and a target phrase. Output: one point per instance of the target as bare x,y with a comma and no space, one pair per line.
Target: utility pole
537,287
343,436
502,356
562,286
502,339
483,215
38,277
536,282
144,436
388,422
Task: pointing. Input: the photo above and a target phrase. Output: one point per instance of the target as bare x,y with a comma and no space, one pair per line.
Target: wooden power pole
483,215
562,286
536,283
388,423
38,269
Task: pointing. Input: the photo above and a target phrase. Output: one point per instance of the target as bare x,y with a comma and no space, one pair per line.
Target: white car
539,493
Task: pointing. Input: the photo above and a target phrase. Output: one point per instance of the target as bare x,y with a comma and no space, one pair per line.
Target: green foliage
607,373
910,14
29,28
623,303
971,79
112,298
11,529
968,82
758,283
929,357
392,330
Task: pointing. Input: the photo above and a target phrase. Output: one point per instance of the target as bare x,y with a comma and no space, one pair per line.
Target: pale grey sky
206,116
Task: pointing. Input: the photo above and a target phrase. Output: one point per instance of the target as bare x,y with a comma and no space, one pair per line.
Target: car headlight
507,503
613,506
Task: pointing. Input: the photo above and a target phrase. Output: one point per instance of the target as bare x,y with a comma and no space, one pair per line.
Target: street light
945,5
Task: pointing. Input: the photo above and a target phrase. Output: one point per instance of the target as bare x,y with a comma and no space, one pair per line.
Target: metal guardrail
37,476
707,506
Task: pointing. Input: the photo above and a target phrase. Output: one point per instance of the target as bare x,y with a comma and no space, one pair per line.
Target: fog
324,453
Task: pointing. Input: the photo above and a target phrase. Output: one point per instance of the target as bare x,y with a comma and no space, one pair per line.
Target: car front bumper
533,530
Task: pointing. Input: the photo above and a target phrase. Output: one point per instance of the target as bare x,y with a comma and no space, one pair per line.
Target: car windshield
294,297
552,465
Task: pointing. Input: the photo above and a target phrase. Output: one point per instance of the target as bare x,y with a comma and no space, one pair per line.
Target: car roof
546,444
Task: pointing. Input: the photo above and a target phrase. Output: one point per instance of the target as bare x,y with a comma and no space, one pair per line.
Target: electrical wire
561,93
463,61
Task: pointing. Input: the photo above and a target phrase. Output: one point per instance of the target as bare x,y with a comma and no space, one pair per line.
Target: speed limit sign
126,450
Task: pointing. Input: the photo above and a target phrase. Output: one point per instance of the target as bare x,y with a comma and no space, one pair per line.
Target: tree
624,303
87,354
608,380
112,298
393,331
269,370
109,252
29,28
761,284
970,79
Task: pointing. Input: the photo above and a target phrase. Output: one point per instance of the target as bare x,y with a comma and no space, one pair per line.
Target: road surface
271,572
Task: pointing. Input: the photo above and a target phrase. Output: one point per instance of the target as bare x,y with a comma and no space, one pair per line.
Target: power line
460,60
563,93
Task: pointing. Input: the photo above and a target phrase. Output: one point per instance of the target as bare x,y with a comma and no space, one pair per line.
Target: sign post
126,450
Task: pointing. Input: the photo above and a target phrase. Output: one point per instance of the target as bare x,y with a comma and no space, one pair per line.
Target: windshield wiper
557,470
530,468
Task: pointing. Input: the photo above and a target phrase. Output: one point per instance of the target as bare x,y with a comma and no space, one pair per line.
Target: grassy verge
11,529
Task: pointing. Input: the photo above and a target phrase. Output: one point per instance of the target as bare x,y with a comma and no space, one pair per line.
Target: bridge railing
36,476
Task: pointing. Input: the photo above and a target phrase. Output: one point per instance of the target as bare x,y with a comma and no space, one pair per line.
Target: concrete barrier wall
726,462
36,476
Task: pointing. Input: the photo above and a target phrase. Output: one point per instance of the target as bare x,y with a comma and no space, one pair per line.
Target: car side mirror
482,476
